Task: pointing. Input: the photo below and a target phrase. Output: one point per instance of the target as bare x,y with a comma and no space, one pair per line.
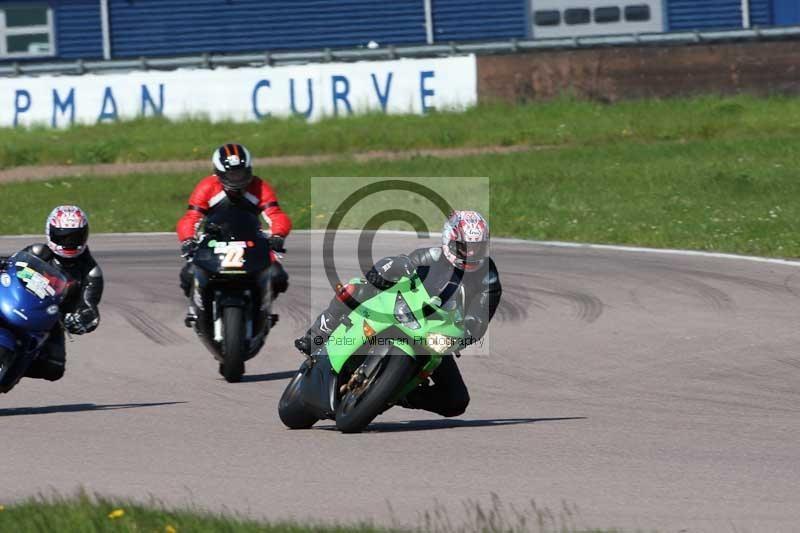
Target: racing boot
303,344
317,334
191,315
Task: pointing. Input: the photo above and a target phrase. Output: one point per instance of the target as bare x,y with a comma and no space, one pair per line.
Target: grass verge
96,514
731,195
561,122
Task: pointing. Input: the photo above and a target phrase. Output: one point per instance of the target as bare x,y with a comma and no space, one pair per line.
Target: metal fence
391,52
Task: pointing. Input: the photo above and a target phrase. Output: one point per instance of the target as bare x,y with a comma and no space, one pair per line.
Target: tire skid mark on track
633,296
515,302
756,284
587,307
670,280
716,298
293,312
151,328
787,282
793,362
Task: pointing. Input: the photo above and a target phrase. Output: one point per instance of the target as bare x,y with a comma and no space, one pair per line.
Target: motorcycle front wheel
360,406
234,346
7,372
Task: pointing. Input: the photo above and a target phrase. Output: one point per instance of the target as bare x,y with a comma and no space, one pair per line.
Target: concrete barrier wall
611,74
312,90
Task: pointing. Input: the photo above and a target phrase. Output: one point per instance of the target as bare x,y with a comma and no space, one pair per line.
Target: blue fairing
30,293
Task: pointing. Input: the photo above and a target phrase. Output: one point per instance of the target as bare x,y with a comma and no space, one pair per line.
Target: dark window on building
551,17
26,16
26,31
638,13
577,16
604,15
30,43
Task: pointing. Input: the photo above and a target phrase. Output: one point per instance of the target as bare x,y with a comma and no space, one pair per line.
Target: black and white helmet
233,165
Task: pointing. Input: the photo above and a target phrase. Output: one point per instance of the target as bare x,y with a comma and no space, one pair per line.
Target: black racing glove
276,243
82,321
188,248
388,271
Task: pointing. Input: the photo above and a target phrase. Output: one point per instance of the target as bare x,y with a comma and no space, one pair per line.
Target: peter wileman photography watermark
358,221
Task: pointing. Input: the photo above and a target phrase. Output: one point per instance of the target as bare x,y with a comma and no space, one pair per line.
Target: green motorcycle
385,348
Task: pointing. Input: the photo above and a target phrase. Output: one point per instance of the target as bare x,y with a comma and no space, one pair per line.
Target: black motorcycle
232,290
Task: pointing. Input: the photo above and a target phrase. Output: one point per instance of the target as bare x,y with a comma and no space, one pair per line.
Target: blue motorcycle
31,292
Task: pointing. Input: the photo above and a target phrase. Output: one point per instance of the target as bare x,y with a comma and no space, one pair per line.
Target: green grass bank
84,515
731,195
705,173
561,122
95,514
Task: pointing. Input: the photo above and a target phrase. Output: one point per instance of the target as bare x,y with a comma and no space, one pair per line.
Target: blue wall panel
703,14
465,20
760,12
77,28
787,12
171,27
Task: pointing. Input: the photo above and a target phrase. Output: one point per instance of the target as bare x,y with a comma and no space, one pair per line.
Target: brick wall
610,74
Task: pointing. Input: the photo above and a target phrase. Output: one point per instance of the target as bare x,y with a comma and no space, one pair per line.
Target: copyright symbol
318,340
368,232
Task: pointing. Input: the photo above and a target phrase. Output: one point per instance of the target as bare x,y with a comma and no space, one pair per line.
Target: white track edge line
506,240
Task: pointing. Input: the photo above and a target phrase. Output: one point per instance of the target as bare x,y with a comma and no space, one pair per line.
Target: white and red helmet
67,231
465,239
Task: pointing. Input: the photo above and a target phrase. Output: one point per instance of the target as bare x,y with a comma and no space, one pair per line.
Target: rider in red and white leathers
233,186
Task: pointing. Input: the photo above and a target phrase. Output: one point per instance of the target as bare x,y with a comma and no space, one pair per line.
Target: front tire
292,411
234,344
358,408
7,370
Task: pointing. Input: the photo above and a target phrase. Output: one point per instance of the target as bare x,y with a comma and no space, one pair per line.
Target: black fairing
245,287
319,387
256,257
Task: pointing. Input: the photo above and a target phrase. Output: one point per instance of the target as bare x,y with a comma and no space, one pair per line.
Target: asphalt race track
649,391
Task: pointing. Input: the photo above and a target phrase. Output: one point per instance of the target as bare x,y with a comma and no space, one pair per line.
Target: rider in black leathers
443,270
79,311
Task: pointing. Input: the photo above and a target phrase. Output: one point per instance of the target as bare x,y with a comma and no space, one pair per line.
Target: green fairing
378,312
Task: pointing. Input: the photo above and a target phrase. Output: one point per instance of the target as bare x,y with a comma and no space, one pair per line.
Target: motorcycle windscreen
234,221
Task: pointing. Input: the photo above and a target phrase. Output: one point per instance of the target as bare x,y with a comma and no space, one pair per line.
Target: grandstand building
117,29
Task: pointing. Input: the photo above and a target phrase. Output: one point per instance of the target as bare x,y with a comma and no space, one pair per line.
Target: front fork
422,376
220,301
